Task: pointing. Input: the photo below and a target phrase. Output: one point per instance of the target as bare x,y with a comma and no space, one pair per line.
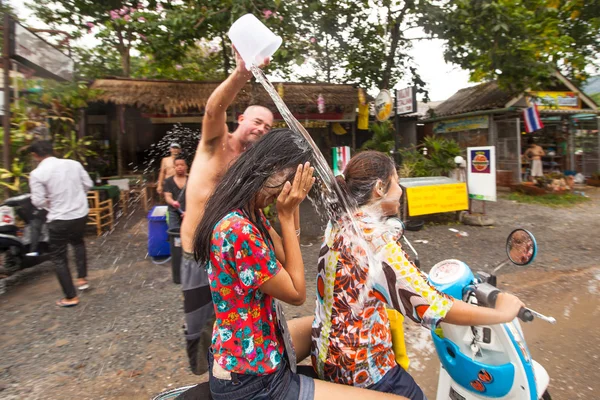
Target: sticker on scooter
485,376
478,385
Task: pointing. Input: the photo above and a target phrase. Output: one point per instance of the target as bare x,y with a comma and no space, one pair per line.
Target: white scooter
477,362
487,362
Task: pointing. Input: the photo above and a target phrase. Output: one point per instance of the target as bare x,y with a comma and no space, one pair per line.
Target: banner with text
424,200
462,124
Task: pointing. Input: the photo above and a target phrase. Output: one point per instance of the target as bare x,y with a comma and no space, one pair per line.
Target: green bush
439,160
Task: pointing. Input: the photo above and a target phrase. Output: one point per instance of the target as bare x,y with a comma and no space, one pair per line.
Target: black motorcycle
15,243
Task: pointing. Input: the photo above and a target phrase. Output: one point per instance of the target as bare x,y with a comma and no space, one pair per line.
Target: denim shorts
283,384
398,381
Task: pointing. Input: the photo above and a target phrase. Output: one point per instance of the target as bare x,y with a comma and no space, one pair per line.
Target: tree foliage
382,139
365,42
518,42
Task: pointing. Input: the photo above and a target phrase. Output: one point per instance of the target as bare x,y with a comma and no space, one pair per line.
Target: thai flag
533,122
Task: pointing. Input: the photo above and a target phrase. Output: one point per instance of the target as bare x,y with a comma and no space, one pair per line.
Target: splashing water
187,138
331,194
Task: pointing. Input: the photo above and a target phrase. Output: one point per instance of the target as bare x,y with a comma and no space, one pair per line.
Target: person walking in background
60,186
172,188
167,167
534,154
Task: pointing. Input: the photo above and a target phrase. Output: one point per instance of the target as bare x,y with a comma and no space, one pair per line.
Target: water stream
331,193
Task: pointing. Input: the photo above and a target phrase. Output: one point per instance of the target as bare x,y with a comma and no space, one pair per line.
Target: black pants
37,222
63,232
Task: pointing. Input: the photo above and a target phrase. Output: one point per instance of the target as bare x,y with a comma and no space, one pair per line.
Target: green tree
382,139
363,42
518,42
121,25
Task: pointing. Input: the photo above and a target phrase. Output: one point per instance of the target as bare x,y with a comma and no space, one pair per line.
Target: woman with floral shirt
362,269
250,266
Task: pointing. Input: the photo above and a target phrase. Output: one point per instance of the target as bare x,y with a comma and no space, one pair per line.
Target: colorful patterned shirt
245,338
351,337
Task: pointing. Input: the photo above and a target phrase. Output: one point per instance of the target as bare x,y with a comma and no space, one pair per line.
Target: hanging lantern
321,104
280,90
362,100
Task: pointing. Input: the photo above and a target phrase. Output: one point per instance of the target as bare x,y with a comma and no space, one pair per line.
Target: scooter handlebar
525,315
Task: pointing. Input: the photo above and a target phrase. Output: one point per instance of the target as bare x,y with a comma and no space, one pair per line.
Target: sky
443,79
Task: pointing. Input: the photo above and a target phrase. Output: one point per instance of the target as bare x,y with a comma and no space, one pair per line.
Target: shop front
485,115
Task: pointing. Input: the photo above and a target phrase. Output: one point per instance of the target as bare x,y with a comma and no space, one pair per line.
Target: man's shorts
199,312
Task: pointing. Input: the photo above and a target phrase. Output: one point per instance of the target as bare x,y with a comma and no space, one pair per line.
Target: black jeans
37,222
63,232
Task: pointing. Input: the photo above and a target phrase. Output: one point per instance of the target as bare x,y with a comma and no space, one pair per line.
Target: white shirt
60,186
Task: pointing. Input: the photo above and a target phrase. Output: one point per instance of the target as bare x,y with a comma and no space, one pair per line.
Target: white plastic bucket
253,40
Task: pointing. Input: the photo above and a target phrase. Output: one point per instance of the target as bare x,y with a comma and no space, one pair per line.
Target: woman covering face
250,267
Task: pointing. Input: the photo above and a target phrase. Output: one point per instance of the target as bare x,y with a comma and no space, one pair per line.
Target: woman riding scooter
249,266
362,273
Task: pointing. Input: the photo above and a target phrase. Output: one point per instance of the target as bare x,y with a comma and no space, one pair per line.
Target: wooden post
120,129
7,32
354,135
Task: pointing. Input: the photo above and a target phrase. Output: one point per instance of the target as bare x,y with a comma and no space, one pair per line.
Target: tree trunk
395,38
126,63
327,59
226,60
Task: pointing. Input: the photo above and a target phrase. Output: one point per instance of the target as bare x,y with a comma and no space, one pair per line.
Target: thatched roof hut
174,97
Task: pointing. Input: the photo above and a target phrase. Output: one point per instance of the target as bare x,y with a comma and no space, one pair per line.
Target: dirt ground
124,340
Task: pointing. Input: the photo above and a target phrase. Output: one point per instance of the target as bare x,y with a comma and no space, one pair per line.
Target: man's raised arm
218,102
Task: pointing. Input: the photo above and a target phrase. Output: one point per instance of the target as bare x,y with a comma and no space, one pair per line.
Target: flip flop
67,303
84,285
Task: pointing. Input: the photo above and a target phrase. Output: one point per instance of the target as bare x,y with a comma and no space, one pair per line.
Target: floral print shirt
245,336
356,280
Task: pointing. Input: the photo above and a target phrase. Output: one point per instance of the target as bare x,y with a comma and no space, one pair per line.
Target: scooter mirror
521,247
397,224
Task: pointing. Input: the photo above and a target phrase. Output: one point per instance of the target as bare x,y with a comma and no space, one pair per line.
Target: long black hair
276,151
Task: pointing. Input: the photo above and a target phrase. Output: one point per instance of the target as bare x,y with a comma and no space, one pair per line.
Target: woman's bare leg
333,391
300,329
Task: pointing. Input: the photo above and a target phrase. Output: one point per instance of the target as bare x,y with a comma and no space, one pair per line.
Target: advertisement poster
556,100
481,173
480,162
383,105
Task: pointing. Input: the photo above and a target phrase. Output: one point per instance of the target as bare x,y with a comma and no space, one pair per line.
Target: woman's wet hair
362,174
279,150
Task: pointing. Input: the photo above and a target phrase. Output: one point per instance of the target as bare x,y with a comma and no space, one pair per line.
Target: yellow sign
424,200
556,100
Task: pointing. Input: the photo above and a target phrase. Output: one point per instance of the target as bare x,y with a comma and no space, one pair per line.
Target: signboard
433,199
34,52
556,100
383,105
462,124
406,101
341,158
481,172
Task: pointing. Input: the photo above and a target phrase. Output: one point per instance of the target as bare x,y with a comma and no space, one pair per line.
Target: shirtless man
167,167
535,153
216,151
